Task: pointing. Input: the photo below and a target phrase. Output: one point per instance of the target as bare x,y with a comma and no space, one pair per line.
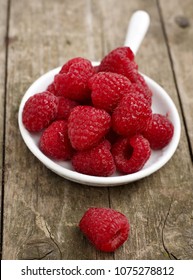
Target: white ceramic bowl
161,103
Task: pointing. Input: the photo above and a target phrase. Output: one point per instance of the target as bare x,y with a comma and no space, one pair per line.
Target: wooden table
40,210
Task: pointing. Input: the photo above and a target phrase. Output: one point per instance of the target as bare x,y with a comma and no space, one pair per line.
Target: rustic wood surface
40,210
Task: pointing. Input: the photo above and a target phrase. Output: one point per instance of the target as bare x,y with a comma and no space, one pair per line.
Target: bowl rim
95,180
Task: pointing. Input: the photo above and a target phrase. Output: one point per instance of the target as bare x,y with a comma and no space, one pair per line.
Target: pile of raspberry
98,117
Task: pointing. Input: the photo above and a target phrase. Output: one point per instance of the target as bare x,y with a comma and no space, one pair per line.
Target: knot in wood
182,21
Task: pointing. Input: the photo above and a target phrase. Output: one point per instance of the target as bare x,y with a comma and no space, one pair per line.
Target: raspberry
132,115
39,111
141,81
97,161
107,229
108,89
142,88
96,68
130,154
121,61
66,67
54,141
51,88
87,126
71,82
65,106
159,132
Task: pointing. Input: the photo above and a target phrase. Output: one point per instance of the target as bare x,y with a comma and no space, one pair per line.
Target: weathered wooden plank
153,204
42,210
3,41
179,32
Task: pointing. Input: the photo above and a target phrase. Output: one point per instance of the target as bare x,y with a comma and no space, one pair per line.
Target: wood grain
179,34
3,44
41,209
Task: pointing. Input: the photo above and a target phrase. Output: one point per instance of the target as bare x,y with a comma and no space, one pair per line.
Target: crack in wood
4,124
169,254
38,249
44,256
50,235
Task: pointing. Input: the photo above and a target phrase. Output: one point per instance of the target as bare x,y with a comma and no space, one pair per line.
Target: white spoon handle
137,29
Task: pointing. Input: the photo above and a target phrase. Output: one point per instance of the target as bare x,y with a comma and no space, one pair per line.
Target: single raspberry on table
131,154
65,106
39,111
108,89
132,114
54,141
159,131
72,80
121,61
107,229
87,126
97,161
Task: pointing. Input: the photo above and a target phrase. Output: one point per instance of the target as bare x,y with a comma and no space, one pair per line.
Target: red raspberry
65,106
121,61
87,126
105,228
141,81
142,87
97,161
39,111
130,154
66,67
108,89
142,90
72,80
51,88
96,68
159,132
54,141
132,115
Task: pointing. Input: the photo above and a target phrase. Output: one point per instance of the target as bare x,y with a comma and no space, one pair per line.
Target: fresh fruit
132,115
65,106
39,111
72,62
97,161
159,131
72,80
105,228
87,126
51,88
142,89
54,141
103,106
121,61
130,154
108,89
